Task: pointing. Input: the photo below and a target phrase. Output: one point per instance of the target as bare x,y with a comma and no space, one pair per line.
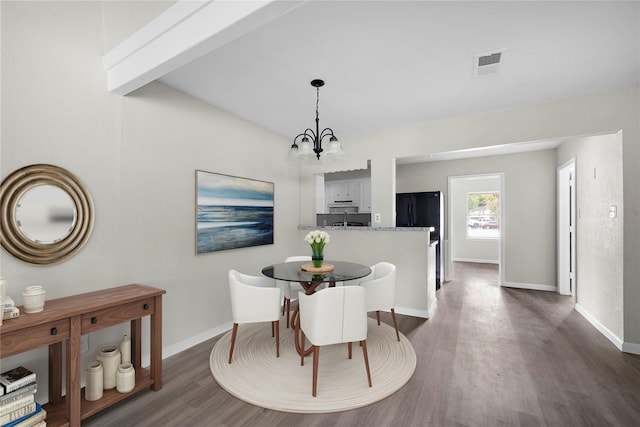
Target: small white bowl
33,299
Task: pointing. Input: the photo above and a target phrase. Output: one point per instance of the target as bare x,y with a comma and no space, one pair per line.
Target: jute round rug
258,377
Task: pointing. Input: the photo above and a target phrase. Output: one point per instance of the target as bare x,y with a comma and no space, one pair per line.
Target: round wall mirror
47,214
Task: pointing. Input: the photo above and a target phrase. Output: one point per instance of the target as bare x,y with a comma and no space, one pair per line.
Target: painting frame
232,212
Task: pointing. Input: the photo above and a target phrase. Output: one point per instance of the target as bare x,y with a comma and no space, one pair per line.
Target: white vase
126,378
93,381
33,299
109,356
125,349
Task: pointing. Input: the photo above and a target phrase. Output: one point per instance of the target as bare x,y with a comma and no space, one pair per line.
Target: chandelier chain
317,102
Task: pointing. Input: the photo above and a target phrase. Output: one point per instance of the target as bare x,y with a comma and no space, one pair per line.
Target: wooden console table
66,319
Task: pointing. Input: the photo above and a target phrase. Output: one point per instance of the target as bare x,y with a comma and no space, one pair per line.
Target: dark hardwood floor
490,356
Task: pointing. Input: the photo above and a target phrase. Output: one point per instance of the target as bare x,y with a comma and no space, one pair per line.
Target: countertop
329,227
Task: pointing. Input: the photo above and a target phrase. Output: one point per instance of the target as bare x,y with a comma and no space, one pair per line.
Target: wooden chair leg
273,330
234,333
302,346
288,311
395,323
284,305
294,318
378,317
277,327
316,356
366,360
350,349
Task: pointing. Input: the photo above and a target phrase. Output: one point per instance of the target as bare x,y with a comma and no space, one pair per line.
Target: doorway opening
567,228
476,220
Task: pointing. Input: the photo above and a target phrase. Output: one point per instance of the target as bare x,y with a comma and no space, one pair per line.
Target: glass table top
293,272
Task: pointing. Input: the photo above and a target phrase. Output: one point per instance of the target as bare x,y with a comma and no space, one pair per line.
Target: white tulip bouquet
317,239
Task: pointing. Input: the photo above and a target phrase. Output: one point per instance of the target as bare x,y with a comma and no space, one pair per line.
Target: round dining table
342,271
293,272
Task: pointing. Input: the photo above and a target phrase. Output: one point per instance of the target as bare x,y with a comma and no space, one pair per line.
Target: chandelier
311,142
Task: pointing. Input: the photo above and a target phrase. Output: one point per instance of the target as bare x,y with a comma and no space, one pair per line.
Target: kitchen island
409,248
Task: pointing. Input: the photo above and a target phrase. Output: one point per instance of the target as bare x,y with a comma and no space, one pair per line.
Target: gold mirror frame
13,189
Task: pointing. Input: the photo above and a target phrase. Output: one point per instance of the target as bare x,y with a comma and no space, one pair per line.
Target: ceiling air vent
488,63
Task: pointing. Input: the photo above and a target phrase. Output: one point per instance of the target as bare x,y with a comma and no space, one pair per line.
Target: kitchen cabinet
358,191
332,191
340,191
65,320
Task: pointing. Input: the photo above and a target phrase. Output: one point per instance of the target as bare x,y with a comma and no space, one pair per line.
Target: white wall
137,155
528,205
599,238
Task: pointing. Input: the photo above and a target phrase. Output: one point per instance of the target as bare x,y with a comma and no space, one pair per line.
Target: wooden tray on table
324,268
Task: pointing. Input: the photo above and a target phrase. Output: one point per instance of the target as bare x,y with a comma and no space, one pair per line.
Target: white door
566,229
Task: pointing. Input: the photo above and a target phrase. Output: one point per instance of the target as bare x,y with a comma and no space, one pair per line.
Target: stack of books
18,407
9,309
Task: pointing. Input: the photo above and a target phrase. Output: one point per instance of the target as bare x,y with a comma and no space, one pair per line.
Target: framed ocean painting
232,212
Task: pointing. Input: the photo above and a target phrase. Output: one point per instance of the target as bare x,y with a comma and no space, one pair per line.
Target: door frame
450,231
567,232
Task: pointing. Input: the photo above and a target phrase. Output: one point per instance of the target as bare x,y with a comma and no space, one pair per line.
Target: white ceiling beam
184,32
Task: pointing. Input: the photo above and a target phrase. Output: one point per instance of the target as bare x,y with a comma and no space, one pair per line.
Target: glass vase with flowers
317,239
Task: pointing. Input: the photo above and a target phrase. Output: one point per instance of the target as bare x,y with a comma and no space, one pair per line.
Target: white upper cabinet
340,191
357,191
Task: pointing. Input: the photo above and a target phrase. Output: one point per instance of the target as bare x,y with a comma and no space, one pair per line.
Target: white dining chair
290,289
254,299
381,291
332,316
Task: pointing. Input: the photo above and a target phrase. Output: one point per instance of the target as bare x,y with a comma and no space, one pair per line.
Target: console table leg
73,372
55,373
136,343
156,345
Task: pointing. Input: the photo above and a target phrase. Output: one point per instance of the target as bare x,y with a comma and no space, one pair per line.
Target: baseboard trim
631,347
600,327
413,312
531,286
478,261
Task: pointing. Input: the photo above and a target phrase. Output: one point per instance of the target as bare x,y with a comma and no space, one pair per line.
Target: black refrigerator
424,209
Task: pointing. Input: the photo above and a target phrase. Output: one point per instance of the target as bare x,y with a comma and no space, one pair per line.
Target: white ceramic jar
33,299
125,349
126,378
93,381
109,356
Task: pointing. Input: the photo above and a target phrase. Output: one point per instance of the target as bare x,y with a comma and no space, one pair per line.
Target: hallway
521,357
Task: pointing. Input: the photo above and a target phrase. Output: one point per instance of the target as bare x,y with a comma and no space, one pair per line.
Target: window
483,215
